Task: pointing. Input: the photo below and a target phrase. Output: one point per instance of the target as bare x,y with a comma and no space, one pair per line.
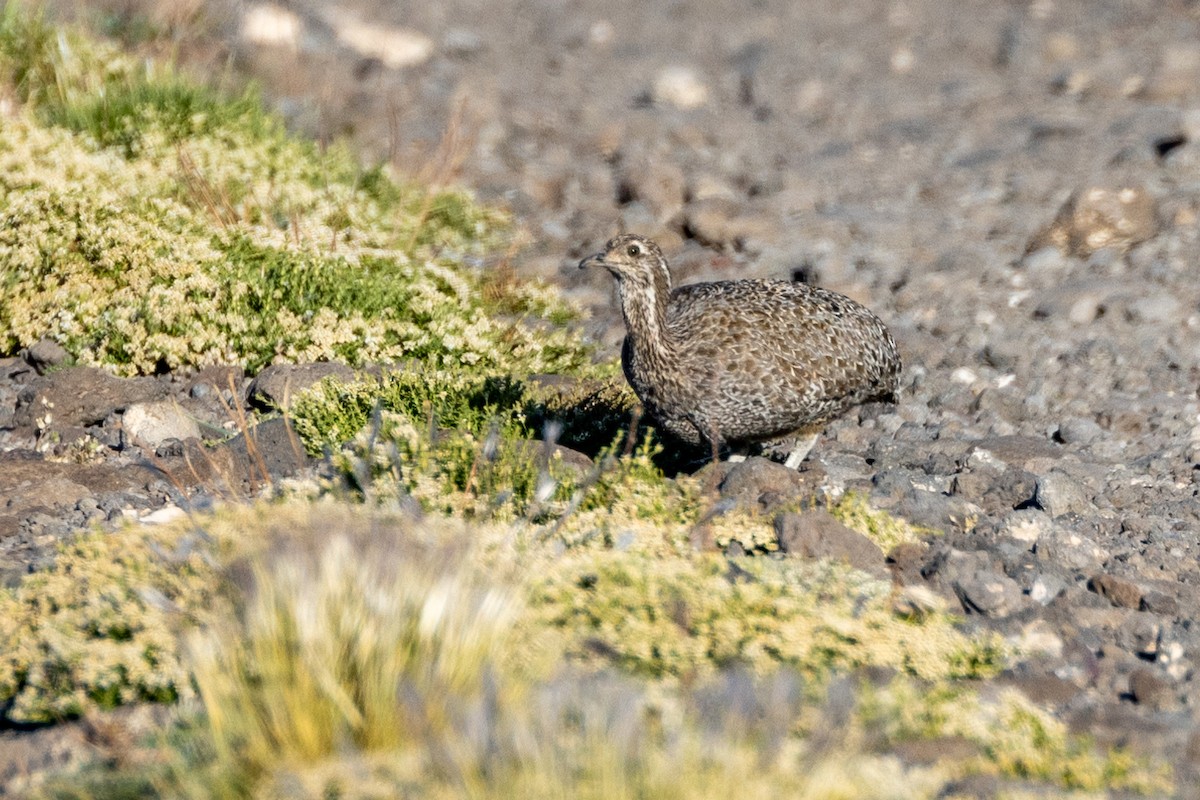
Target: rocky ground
1013,187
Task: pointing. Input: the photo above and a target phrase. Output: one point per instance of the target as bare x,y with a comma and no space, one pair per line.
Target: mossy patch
151,224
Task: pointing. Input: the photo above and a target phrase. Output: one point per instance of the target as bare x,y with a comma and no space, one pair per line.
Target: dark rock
817,535
276,385
269,451
218,381
46,354
905,562
1160,603
1139,633
757,479
80,396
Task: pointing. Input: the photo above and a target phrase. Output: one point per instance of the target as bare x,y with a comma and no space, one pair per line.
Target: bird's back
770,357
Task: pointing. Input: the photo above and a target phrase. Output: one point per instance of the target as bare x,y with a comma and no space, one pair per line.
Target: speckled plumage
740,362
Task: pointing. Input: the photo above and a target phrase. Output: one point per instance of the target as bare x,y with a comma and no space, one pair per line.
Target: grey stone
760,481
1159,307
1070,550
1026,526
1140,633
152,424
992,594
46,354
1046,588
276,385
1058,494
1079,430
658,183
817,535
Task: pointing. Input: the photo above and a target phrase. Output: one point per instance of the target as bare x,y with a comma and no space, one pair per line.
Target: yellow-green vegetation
98,629
686,617
886,530
354,654
148,223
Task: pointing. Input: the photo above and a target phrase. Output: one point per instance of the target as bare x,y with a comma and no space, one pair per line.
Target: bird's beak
594,260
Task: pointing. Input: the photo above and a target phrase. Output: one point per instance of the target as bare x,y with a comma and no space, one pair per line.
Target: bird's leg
736,458
708,430
800,450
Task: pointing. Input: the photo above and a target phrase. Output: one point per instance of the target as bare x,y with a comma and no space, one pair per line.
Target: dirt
1013,187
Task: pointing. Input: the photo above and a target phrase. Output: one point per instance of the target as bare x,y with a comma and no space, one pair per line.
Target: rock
80,396
1046,588
227,382
462,43
1150,689
270,24
1058,494
1159,307
817,535
1026,526
658,183
1038,638
758,481
1079,430
680,86
269,446
995,492
990,593
719,222
161,516
276,385
45,354
151,424
394,47
1070,550
1047,689
1016,450
1119,592
1100,217
1176,74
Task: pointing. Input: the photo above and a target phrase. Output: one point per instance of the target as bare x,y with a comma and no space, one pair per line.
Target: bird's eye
634,250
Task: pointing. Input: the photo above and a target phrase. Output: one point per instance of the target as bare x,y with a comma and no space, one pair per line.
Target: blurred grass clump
357,654
149,223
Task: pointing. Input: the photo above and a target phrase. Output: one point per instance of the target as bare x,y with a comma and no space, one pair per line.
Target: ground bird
735,363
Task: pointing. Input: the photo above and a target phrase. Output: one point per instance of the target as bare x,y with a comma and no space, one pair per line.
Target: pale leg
800,450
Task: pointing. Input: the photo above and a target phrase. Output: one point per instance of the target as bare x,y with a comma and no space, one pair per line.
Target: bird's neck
645,310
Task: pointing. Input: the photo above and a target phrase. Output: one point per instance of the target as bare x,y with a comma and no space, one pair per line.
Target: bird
743,362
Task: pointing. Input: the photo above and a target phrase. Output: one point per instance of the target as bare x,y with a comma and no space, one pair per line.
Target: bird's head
633,260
